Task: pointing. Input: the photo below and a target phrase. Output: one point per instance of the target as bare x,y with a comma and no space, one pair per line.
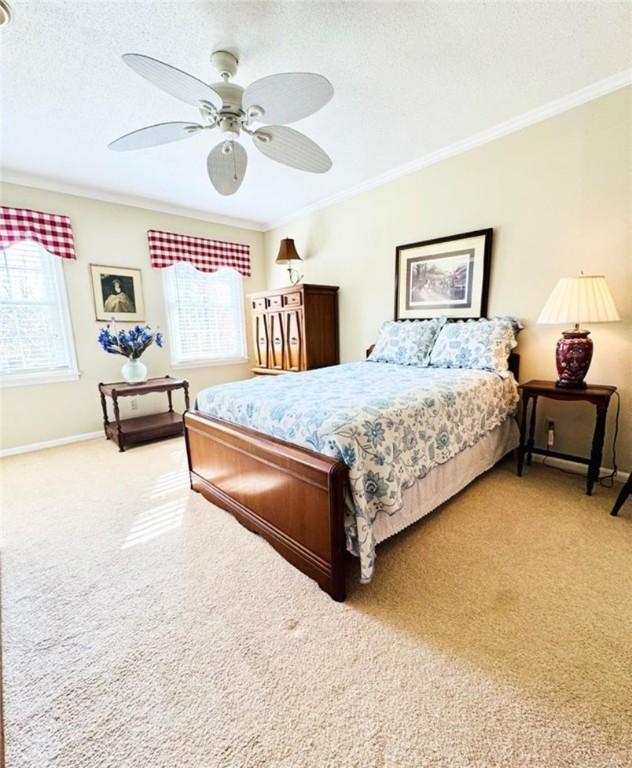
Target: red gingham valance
51,230
167,248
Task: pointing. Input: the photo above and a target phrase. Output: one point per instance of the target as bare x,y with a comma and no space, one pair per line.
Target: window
205,311
35,332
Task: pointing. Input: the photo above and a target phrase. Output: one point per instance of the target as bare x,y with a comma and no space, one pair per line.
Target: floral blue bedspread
390,424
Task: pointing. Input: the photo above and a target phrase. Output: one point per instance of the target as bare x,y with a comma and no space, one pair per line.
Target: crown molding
537,115
53,185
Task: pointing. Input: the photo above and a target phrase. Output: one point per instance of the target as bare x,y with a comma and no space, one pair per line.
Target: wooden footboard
293,497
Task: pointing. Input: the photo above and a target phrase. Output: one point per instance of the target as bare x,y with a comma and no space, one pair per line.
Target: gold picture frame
117,293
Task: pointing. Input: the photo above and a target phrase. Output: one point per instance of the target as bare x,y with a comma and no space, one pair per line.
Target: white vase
133,371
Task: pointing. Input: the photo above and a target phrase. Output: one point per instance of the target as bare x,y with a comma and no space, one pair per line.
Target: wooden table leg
104,408
597,448
623,495
523,434
170,402
531,442
117,416
186,395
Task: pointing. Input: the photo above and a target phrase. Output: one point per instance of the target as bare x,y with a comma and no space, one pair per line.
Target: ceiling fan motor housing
231,95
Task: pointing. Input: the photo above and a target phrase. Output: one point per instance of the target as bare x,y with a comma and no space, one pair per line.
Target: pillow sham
406,342
479,344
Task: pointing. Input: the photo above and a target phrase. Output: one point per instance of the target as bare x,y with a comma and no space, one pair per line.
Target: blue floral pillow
478,344
406,342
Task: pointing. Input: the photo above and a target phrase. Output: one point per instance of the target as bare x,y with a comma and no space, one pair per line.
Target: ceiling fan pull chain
235,178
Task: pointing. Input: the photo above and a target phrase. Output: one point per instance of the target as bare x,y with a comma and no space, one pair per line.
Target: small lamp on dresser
583,299
287,254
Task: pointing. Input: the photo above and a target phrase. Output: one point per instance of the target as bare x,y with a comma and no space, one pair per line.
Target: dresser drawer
258,303
274,301
292,299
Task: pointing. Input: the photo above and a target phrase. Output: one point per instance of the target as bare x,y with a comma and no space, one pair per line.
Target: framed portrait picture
118,294
445,276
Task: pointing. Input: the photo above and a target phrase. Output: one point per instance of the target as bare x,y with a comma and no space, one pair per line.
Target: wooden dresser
295,328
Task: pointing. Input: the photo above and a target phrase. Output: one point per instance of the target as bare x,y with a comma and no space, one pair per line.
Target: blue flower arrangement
130,344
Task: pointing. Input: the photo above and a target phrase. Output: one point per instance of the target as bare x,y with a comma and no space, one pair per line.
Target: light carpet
145,628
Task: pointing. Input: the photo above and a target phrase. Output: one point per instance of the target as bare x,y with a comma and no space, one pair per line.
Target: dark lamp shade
287,251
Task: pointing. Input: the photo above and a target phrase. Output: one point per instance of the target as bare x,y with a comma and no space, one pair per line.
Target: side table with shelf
142,428
597,395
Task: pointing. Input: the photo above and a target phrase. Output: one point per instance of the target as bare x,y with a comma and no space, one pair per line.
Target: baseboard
575,466
49,443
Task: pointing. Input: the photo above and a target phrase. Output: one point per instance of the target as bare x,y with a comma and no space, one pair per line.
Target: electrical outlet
550,434
134,404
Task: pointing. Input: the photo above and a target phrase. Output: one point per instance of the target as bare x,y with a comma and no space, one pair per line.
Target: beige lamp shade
287,251
584,299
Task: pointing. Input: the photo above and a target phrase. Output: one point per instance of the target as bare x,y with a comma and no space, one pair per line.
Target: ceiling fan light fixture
230,128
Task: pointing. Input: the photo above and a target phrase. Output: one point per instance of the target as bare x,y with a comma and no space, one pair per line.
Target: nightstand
599,396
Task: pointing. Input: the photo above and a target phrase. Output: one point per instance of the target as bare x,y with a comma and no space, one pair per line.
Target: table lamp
287,253
583,299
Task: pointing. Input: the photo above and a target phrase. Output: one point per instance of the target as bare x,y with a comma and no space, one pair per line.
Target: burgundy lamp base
573,355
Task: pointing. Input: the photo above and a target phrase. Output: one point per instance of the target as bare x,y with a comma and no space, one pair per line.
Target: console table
142,428
596,395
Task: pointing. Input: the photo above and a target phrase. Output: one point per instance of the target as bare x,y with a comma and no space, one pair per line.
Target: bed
337,459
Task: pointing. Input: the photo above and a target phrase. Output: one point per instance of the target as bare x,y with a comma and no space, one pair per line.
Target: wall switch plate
134,404
550,434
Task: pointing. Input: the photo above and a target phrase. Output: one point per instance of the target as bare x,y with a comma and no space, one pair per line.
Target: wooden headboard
513,362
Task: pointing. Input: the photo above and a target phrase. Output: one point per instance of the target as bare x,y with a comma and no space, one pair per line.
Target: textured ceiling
409,78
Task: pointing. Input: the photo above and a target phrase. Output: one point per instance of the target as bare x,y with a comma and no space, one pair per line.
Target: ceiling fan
274,100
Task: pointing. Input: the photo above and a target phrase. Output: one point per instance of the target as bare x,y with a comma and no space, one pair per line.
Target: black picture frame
469,256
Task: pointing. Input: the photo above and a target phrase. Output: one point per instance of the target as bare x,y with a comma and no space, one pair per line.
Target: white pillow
478,344
406,342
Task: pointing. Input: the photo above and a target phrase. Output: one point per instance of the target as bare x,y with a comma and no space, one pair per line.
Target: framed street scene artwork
118,294
445,276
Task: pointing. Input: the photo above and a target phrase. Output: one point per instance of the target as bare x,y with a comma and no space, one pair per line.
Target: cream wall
108,234
559,197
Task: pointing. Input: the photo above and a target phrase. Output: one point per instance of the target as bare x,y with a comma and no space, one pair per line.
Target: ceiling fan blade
153,135
288,97
172,80
226,170
290,147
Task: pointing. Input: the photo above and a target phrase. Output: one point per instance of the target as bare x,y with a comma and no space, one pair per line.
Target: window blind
35,333
205,314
